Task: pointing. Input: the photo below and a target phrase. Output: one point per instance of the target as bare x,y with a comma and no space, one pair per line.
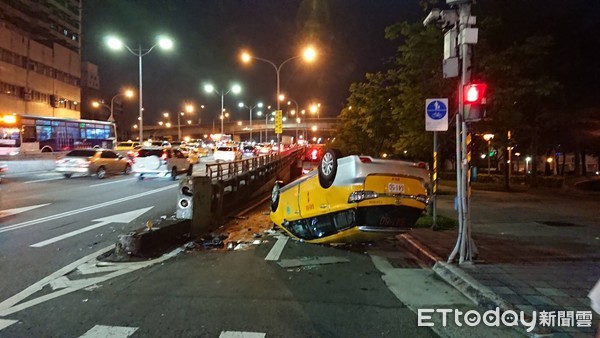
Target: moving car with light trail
352,198
99,162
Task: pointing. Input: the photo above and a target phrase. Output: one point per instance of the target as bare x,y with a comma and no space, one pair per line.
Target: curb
465,284
455,276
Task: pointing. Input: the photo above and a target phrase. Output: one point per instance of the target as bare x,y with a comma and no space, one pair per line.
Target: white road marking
50,174
112,182
125,217
44,180
13,304
84,209
9,212
4,323
239,334
102,331
277,249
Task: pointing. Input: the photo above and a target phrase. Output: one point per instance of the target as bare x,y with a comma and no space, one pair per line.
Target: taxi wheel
328,167
275,197
101,173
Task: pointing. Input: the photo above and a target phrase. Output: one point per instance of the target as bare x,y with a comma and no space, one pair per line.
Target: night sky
209,36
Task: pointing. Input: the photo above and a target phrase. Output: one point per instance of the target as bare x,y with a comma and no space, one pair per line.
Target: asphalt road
42,207
199,293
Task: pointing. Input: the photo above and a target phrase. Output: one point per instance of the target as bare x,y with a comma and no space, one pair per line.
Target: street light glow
129,93
189,108
95,104
114,43
209,88
236,89
281,97
246,57
165,43
310,54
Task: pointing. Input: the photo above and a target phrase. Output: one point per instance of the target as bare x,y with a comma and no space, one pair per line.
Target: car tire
141,177
67,175
101,173
174,174
328,167
275,197
127,170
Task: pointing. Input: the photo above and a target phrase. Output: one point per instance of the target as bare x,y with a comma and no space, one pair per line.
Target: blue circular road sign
436,110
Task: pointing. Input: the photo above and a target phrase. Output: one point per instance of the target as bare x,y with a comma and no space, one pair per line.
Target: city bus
33,134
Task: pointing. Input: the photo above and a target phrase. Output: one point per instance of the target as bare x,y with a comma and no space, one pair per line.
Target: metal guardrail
224,171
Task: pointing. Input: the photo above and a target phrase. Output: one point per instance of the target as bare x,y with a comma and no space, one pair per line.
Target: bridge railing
224,171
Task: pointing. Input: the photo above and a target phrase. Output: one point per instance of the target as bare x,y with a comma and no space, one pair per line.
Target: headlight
358,196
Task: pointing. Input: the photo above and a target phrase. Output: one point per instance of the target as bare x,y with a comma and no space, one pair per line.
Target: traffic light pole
465,246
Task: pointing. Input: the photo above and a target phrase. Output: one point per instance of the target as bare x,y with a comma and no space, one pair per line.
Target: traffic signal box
474,101
278,122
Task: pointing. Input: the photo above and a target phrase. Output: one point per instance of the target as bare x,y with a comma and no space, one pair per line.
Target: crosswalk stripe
4,323
102,331
239,334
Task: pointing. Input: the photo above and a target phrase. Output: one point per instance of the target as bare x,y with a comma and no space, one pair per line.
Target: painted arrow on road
9,212
125,217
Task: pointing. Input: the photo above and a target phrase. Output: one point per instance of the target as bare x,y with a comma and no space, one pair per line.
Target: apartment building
40,63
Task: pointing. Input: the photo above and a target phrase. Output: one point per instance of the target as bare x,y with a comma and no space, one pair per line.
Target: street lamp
488,138
309,55
117,44
315,109
111,118
242,105
189,109
209,88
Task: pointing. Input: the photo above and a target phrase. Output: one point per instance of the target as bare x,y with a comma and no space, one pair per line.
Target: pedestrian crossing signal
474,101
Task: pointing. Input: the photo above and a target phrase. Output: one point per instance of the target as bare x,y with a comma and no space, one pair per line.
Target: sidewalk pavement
537,251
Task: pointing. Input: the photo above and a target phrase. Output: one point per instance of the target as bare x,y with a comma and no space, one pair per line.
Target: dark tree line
543,82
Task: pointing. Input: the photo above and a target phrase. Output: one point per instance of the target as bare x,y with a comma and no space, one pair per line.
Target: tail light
422,165
365,160
314,154
164,156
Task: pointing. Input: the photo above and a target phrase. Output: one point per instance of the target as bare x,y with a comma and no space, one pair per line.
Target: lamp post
309,55
111,118
209,88
189,109
488,138
242,105
117,44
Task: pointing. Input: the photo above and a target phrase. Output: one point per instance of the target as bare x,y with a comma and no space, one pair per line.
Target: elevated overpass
310,127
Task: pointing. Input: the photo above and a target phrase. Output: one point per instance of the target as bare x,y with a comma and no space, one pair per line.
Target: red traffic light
473,92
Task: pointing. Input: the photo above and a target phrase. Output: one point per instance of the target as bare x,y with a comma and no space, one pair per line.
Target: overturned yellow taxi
351,198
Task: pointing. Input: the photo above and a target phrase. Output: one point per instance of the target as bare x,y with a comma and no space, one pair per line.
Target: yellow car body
368,199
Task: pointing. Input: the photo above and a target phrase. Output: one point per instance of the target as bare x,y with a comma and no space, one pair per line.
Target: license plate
395,188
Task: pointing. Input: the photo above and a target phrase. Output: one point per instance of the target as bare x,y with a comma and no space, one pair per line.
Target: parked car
227,153
160,162
351,198
99,162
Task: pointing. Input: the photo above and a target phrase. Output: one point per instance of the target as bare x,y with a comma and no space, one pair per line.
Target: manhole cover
559,224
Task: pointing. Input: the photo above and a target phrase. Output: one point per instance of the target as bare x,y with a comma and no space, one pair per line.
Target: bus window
29,134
